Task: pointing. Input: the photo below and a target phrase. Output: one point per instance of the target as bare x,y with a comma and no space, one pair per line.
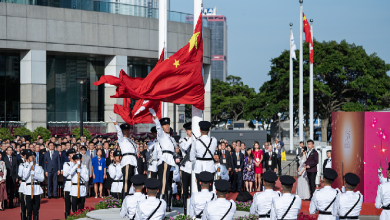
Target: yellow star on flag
194,41
304,18
176,63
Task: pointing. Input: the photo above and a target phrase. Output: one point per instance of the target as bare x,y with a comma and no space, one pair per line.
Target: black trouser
22,202
237,180
116,195
198,183
128,172
165,177
312,182
153,174
185,184
10,185
33,205
77,203
68,202
279,162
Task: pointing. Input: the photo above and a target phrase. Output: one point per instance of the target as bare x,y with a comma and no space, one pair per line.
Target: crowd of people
161,167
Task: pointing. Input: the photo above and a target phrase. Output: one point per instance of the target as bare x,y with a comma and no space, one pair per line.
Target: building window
9,87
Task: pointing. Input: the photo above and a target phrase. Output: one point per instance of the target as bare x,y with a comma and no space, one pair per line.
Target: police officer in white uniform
130,202
220,208
382,200
350,203
199,199
129,152
115,172
202,152
68,182
33,174
286,206
166,161
186,168
155,151
220,169
383,179
151,208
22,186
324,200
262,201
78,191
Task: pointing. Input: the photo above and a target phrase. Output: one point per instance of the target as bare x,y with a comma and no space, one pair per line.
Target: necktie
223,153
10,160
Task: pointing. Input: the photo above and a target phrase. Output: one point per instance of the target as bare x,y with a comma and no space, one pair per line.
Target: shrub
86,133
108,202
247,217
81,213
22,131
4,134
179,217
177,203
244,206
44,132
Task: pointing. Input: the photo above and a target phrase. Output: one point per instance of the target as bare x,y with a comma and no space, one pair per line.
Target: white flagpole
291,96
311,98
162,41
301,120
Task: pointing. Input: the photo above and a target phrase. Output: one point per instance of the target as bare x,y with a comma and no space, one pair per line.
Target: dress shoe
49,197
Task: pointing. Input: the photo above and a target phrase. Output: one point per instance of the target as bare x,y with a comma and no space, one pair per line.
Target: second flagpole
291,113
300,121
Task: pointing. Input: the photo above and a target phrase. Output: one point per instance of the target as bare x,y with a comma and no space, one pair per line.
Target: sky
258,30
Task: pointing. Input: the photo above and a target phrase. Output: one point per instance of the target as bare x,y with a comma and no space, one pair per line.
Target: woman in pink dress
258,156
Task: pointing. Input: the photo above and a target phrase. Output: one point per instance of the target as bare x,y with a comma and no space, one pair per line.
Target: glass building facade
9,86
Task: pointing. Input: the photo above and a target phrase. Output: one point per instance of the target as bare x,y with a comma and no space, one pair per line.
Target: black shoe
49,197
66,215
56,197
185,206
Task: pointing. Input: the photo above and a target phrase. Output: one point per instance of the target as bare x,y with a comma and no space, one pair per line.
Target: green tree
22,131
228,99
86,133
345,78
5,134
44,132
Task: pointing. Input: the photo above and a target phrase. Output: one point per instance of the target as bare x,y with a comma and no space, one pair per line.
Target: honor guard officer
67,179
381,178
151,208
79,176
130,202
287,206
220,208
382,200
129,152
262,201
350,202
199,199
22,185
33,174
115,171
220,169
324,200
203,152
155,151
186,164
166,161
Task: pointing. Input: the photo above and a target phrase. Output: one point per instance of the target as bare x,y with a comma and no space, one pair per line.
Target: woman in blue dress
99,172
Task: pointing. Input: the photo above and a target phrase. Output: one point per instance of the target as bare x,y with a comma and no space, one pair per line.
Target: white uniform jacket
153,149
115,172
383,200
67,176
199,154
222,173
346,201
281,204
83,179
185,144
37,177
20,174
129,205
322,199
216,209
127,146
146,207
198,202
167,143
262,202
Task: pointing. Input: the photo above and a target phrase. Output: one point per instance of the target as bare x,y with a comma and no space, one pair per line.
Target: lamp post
81,80
279,115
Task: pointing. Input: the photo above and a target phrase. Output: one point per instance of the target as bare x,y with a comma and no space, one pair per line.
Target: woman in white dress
303,190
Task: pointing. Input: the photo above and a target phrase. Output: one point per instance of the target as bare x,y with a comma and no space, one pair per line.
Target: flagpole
311,98
162,41
291,96
301,136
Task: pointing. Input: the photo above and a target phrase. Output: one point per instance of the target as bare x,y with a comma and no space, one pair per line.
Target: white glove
32,172
379,171
112,119
343,189
152,112
78,162
78,170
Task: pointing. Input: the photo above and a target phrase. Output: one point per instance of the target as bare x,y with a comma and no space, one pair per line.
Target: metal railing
11,125
66,127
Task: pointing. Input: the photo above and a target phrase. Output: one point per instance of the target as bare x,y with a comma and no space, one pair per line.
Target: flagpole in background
291,114
311,98
301,136
162,41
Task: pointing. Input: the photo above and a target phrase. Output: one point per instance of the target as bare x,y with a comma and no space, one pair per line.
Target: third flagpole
291,113
301,120
162,41
311,98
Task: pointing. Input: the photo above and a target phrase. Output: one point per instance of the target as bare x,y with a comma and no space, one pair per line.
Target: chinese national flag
306,29
178,79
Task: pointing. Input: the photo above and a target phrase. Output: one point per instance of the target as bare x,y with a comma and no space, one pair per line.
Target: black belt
199,158
348,217
198,216
133,154
23,181
167,151
264,216
386,207
118,181
29,184
75,184
68,180
325,213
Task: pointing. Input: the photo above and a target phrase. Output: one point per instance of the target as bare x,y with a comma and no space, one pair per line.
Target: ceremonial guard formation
22,187
129,204
155,153
115,171
350,202
186,164
79,176
199,199
221,208
67,167
151,208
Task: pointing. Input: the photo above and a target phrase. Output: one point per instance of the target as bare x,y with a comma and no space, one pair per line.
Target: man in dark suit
327,161
64,158
12,175
311,166
52,167
106,150
278,150
238,167
270,159
91,152
225,158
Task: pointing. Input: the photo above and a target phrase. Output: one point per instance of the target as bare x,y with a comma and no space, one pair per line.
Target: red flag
177,79
306,29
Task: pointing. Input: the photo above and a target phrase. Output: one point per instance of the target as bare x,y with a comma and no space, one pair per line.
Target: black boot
29,217
169,201
184,205
36,217
66,215
23,216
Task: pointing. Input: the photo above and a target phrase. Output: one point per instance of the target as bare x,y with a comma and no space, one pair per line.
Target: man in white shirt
115,172
221,208
22,182
130,202
151,208
186,168
199,199
154,153
78,191
349,204
67,179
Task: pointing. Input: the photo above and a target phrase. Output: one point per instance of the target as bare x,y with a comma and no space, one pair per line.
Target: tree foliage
345,78
5,134
44,132
228,99
22,131
86,133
